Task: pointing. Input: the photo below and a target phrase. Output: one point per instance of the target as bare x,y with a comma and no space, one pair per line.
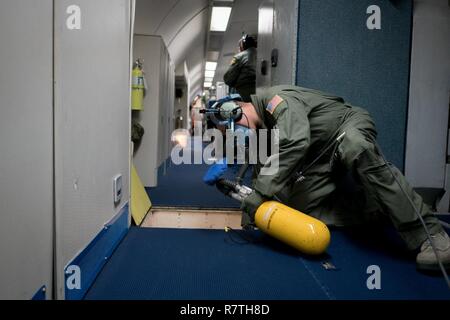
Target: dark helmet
248,41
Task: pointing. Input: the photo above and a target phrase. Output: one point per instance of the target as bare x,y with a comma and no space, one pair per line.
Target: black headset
230,111
248,42
225,111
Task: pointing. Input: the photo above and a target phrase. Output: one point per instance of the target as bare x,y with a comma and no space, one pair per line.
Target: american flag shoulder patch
274,103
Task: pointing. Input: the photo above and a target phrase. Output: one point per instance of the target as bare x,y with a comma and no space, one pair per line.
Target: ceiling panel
190,38
151,13
183,25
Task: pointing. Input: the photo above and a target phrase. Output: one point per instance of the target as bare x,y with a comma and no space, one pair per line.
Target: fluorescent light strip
220,18
211,66
209,74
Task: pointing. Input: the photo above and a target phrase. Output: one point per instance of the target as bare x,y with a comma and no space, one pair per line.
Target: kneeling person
307,121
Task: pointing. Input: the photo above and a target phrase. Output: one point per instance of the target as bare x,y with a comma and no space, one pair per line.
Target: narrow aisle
155,264
183,186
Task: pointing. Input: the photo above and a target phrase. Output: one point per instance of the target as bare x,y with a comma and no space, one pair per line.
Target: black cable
246,118
242,172
324,151
247,240
334,140
441,266
227,183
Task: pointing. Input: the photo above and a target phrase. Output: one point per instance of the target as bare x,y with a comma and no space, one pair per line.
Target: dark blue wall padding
166,264
92,258
337,53
40,295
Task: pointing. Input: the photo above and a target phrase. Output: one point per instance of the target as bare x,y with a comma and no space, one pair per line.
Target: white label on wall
374,20
73,21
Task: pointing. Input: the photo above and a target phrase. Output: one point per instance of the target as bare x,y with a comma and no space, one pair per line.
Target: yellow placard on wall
140,201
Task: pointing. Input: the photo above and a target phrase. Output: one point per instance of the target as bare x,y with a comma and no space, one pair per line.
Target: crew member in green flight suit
241,75
308,120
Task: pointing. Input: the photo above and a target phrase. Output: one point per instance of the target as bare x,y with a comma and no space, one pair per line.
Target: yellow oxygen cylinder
138,87
305,233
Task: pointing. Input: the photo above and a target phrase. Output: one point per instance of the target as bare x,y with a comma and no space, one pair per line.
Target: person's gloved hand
215,172
218,170
250,205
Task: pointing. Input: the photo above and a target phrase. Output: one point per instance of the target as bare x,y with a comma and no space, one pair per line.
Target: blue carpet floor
183,186
166,264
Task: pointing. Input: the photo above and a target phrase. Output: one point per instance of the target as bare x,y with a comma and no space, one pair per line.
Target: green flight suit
241,74
307,121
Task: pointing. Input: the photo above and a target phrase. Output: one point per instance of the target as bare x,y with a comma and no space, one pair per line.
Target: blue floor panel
168,264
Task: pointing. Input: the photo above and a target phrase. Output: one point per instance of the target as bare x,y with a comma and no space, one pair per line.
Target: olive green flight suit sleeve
233,72
294,139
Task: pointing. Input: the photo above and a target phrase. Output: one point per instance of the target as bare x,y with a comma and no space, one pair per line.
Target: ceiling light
209,74
220,18
209,79
207,84
211,66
